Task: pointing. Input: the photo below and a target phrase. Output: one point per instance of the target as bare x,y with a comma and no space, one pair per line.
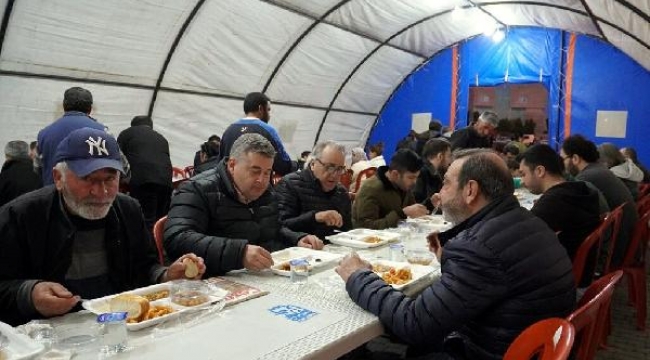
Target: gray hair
62,167
358,154
486,168
17,149
610,155
317,152
251,143
489,117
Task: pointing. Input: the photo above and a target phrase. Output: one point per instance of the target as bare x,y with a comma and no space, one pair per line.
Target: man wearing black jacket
17,176
151,168
502,270
313,200
77,239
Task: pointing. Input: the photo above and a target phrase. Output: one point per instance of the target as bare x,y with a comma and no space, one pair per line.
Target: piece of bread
137,306
191,268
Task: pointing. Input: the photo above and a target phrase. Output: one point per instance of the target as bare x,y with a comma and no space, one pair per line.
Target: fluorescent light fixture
457,13
490,28
498,35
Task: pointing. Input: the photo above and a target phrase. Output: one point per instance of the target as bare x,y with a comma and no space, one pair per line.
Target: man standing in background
151,168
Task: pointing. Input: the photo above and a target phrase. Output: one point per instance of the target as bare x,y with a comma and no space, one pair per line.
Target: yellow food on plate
397,276
135,305
157,295
372,239
158,311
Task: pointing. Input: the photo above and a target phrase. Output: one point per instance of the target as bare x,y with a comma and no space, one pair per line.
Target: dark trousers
154,199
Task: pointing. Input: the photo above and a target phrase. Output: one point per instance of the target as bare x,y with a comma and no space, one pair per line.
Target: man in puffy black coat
313,200
503,269
228,215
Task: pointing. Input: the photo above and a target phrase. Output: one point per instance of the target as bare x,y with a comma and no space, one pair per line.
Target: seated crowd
503,267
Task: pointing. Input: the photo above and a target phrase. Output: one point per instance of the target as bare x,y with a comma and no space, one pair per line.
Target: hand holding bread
188,266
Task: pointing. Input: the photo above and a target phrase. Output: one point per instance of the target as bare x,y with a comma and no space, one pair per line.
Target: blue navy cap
86,150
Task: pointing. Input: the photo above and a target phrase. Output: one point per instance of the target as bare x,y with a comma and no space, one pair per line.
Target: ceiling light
498,35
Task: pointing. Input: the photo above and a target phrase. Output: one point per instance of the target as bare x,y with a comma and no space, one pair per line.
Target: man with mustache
76,239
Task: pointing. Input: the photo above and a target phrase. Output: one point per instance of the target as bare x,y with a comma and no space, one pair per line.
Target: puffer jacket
379,203
36,239
300,197
206,218
503,269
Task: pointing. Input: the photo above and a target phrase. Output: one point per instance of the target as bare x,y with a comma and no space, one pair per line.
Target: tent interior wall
348,70
603,78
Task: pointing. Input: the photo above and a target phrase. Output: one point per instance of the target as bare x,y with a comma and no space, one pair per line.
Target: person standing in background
17,176
151,168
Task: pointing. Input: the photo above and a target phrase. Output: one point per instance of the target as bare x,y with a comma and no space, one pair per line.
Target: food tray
101,305
418,271
357,238
316,258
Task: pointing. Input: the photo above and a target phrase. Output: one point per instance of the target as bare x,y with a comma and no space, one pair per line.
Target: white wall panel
27,105
297,127
613,11
381,18
97,40
316,68
228,51
574,4
3,6
376,79
348,129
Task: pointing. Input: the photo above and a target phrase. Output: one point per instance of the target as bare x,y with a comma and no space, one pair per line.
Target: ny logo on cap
98,144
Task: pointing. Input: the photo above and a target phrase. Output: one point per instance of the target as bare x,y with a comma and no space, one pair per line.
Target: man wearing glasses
313,200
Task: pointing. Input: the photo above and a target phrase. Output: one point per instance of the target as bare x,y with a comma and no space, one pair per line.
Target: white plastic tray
418,271
101,305
356,238
316,258
18,346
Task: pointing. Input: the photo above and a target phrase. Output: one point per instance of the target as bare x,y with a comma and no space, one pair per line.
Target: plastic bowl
419,257
190,293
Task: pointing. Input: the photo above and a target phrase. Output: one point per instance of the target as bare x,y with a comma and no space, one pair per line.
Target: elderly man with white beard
78,238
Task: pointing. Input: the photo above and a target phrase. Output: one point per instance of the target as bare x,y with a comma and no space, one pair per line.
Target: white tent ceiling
329,66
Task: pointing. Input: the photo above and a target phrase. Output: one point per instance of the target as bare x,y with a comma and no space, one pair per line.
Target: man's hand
436,200
52,299
311,242
329,218
177,269
350,264
257,258
434,244
415,210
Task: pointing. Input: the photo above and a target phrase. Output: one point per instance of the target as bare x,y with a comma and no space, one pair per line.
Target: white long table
250,331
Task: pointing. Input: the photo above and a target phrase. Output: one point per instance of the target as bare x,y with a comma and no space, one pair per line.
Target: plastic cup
396,252
299,271
114,333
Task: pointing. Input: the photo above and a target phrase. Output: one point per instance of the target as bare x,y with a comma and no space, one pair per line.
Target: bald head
488,169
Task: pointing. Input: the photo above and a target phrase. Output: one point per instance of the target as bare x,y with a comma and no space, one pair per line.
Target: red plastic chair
613,221
188,171
549,339
346,179
590,319
643,205
178,173
644,189
158,234
364,174
592,241
634,267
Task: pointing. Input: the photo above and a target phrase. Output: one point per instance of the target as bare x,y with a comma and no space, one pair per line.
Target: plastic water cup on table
299,271
114,334
396,252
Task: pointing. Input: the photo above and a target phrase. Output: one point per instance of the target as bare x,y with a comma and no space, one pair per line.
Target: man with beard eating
78,238
502,270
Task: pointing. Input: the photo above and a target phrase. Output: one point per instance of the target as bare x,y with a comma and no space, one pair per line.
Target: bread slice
137,306
191,268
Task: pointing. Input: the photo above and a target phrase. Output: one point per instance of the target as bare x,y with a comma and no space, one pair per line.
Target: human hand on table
329,218
311,242
415,210
350,264
257,258
50,299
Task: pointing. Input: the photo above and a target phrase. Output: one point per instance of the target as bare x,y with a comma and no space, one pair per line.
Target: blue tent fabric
604,78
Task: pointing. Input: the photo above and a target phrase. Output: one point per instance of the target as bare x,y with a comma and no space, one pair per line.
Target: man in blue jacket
257,108
503,269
